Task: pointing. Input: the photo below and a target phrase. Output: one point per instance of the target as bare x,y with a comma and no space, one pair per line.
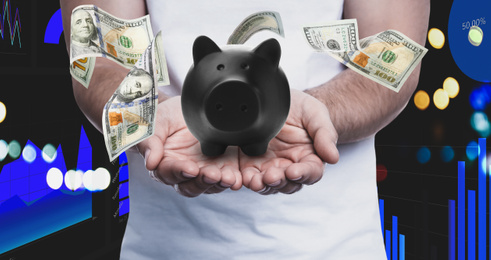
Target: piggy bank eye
220,67
244,66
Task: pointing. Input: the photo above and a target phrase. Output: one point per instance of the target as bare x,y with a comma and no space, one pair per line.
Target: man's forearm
358,106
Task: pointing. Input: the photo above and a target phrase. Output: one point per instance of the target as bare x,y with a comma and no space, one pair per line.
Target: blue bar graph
394,238
471,225
451,229
402,247
387,244
481,200
381,209
461,210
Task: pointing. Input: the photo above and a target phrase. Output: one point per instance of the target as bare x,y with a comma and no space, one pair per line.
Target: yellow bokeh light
451,86
421,100
436,38
3,112
441,99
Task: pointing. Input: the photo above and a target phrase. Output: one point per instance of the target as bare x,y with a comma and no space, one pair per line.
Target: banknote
387,58
337,36
129,115
266,20
96,33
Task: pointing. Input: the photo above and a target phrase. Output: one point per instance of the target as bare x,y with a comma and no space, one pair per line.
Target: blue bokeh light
423,155
447,153
480,123
29,153
472,150
480,97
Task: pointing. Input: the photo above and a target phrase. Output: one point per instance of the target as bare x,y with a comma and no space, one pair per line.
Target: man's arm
107,74
358,106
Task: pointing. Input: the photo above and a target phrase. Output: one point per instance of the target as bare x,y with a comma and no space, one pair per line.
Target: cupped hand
295,156
173,156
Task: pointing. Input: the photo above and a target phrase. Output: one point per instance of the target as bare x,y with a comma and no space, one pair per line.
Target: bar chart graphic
395,243
467,226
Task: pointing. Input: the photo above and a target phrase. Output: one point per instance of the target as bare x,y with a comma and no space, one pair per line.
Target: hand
174,155
295,156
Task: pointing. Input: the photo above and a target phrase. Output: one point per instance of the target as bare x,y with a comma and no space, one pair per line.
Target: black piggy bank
235,96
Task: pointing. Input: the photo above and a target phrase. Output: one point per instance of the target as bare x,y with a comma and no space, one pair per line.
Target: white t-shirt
336,218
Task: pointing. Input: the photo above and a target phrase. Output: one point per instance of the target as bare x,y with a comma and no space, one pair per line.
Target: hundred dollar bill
96,33
387,58
129,115
337,36
254,23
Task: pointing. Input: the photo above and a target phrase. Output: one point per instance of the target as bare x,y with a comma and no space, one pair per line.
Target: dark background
35,86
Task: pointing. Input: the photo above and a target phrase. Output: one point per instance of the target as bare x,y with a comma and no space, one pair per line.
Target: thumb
152,150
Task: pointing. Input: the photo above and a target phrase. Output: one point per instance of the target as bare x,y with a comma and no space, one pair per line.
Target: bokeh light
54,178
475,35
49,153
480,123
447,153
102,178
3,112
423,155
73,179
472,150
14,149
480,97
421,99
88,181
4,149
441,99
451,86
29,153
381,172
436,38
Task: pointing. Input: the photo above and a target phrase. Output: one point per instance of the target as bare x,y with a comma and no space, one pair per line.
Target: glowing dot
451,86
14,149
54,178
480,97
480,123
4,150
102,178
381,172
73,179
3,112
421,100
472,150
49,153
423,155
440,98
436,38
475,35
447,154
29,153
88,180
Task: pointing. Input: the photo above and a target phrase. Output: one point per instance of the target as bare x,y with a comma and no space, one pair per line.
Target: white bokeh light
102,178
49,153
29,153
4,149
54,178
73,179
88,180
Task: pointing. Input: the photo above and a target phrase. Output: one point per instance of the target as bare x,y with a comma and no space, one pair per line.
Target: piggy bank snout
232,106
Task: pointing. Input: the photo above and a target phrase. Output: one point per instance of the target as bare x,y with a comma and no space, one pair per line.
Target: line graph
14,25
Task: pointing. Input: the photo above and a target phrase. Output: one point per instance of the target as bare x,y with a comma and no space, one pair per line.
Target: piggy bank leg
212,149
255,149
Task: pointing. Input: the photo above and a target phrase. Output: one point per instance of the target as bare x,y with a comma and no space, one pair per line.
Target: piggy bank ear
269,50
203,46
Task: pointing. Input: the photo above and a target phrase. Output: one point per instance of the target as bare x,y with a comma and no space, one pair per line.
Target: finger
274,177
256,184
291,187
176,171
325,146
247,175
208,176
228,179
152,150
238,180
308,171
